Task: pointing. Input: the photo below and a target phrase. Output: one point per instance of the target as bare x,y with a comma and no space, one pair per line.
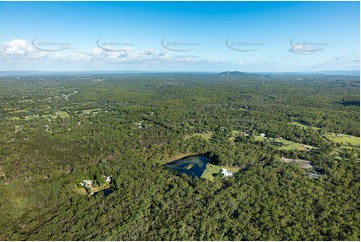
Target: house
263,135
107,179
47,127
226,173
86,183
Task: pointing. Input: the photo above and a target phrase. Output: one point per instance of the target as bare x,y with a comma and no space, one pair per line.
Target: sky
179,36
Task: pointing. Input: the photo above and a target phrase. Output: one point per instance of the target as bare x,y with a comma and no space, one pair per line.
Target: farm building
226,173
107,179
86,183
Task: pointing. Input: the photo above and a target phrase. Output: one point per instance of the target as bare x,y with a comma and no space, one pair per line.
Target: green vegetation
206,136
89,111
210,171
214,170
303,125
343,139
60,114
59,129
284,144
188,167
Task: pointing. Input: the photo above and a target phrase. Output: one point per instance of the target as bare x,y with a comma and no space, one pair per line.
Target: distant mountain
63,73
333,73
226,73
338,72
235,73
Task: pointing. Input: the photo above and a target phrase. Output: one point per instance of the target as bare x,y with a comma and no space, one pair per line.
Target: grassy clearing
343,139
209,171
290,145
206,136
80,190
60,114
234,134
93,189
285,144
304,126
29,117
214,169
13,110
14,118
232,168
89,111
259,138
99,188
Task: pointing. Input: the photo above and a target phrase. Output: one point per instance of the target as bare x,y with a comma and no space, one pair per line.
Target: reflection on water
193,166
104,192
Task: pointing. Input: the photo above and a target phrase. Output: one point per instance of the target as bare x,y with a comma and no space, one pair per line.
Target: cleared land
303,125
89,111
60,114
234,134
214,169
284,144
93,189
343,139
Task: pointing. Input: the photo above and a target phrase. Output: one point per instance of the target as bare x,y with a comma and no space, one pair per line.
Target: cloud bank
22,53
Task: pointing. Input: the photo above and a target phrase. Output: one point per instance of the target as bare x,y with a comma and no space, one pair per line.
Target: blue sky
180,36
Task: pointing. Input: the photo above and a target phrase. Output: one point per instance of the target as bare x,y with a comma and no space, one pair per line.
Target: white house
107,179
263,135
226,173
86,183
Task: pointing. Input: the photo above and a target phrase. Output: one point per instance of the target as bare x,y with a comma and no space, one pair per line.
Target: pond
193,166
104,192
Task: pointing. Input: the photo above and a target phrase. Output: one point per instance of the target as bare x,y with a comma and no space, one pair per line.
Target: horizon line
169,72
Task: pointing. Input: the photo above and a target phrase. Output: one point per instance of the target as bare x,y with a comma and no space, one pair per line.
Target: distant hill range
226,73
339,72
333,73
235,73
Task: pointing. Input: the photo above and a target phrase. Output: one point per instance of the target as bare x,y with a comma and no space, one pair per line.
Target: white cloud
19,50
16,47
22,51
341,62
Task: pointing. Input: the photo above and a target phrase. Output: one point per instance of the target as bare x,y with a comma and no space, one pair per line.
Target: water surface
193,166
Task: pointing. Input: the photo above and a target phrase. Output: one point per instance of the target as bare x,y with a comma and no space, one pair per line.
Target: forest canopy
59,130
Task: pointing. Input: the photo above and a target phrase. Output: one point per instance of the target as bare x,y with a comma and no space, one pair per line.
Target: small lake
193,166
105,192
